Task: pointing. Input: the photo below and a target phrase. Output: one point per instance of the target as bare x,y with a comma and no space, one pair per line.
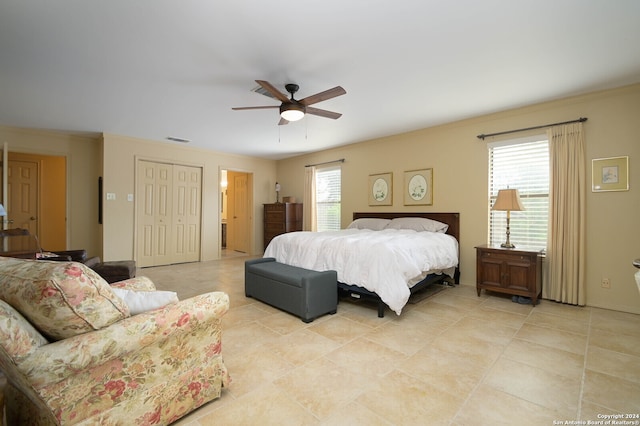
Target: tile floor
451,359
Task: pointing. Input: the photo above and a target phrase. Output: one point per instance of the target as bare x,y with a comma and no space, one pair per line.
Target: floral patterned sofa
72,353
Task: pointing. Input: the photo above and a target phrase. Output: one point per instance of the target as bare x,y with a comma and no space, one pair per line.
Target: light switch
129,197
111,195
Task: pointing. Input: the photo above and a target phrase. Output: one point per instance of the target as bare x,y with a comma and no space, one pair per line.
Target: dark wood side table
516,271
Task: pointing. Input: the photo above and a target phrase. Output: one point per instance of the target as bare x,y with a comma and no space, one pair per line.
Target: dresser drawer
280,218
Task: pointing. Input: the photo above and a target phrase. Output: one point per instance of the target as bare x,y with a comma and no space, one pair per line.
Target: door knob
32,218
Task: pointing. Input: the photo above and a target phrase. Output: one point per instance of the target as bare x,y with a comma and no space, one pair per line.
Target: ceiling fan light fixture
292,112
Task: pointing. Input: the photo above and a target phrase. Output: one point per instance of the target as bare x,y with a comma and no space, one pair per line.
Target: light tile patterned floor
451,359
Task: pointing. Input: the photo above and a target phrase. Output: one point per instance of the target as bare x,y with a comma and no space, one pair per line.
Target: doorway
36,184
236,206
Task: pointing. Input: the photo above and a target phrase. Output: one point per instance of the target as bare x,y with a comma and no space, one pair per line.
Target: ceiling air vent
174,139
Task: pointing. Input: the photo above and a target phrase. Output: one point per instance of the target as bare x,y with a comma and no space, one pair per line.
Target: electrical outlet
606,283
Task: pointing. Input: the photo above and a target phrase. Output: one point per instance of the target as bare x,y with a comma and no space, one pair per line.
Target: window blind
328,197
523,166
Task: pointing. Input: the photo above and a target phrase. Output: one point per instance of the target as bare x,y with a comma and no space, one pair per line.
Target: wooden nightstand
516,271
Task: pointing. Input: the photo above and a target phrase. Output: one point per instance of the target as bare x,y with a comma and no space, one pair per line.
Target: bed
379,262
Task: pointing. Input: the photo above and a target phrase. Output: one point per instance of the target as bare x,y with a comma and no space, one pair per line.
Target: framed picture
381,189
610,174
418,187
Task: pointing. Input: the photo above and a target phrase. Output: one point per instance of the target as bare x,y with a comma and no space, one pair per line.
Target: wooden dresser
513,271
280,218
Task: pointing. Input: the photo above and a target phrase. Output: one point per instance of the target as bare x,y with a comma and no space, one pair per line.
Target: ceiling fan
293,109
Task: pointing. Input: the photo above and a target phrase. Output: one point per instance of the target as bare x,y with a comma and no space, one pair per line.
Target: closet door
154,213
164,254
168,213
187,182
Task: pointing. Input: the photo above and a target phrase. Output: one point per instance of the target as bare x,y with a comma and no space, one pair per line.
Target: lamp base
507,244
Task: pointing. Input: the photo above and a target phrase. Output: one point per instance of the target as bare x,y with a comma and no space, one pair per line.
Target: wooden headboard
451,219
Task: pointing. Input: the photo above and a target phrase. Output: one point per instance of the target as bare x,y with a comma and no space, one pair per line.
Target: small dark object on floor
521,300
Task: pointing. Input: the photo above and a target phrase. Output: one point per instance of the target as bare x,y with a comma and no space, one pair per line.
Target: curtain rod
341,160
579,120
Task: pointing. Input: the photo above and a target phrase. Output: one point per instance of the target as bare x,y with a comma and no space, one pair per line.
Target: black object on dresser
516,271
280,218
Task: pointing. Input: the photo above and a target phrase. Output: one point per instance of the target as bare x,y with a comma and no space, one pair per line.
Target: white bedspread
385,262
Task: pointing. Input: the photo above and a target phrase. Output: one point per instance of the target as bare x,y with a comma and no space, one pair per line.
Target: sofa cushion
60,299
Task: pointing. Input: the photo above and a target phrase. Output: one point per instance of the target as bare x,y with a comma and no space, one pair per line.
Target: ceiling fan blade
323,113
255,107
271,89
323,96
282,122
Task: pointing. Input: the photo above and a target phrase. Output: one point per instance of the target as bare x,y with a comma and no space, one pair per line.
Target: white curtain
567,191
309,222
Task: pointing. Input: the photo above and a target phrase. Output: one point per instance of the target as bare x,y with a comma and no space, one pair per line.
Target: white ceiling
158,68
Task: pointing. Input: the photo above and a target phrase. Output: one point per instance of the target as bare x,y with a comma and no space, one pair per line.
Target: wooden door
240,213
22,191
187,184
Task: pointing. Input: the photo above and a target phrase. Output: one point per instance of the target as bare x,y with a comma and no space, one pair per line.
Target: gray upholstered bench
305,293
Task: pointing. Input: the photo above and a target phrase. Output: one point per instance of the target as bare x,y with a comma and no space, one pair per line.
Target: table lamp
508,200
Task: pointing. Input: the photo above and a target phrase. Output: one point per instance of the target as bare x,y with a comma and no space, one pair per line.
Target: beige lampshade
508,200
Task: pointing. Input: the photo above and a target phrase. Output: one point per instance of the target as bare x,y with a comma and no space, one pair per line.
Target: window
328,190
521,165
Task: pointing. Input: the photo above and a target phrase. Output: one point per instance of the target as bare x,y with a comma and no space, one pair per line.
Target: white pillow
418,224
143,301
373,224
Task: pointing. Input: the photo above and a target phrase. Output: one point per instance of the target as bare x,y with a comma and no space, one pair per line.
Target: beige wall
459,162
120,156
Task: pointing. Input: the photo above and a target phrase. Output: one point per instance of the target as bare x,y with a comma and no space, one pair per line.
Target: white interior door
169,213
187,183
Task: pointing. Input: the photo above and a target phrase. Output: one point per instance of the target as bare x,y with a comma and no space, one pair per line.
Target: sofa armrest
141,283
18,338
56,361
92,261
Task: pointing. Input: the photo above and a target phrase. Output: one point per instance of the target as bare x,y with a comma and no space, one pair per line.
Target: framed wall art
610,174
418,187
381,189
